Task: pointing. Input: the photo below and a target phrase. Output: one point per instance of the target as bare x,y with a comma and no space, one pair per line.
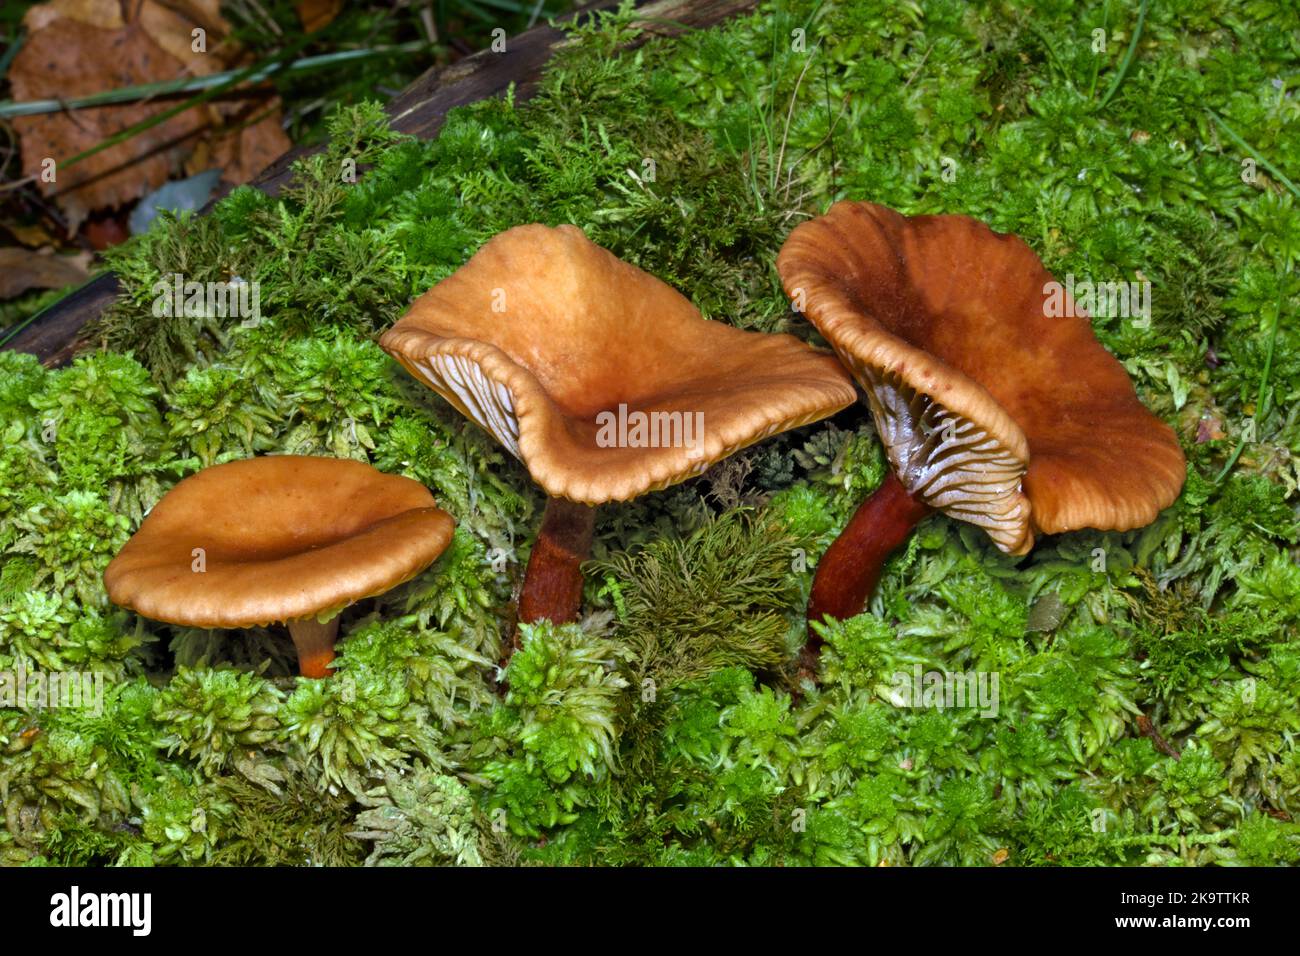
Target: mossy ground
1148,680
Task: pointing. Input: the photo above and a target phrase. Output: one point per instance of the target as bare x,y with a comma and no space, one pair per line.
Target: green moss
183,820
276,817
21,377
425,820
717,599
1263,841
363,720
100,418
443,671
558,726
220,414
208,714
72,536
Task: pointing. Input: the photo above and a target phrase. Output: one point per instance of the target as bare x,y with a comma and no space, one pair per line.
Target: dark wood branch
420,111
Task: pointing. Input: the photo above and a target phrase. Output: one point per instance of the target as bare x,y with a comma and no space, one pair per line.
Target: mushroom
991,408
605,382
280,538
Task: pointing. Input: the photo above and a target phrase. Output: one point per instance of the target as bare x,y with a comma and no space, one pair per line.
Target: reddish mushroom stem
850,568
315,644
553,582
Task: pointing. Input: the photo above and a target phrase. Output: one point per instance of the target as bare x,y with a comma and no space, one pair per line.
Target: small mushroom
605,382
991,409
279,538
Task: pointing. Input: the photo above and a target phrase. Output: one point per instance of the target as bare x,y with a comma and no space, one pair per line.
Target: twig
917,71
789,114
1147,729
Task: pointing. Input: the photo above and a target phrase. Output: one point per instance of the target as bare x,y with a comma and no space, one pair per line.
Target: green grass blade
1128,57
1255,154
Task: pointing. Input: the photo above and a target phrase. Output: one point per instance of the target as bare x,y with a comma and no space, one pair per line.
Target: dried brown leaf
242,151
71,59
316,14
23,269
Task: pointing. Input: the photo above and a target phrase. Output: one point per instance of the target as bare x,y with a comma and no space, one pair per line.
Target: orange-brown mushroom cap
283,537
991,409
542,331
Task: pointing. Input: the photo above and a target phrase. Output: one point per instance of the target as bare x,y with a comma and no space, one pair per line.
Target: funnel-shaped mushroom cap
282,538
991,409
597,375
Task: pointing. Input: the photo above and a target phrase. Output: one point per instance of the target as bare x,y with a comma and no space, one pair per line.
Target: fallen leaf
31,236
69,58
23,269
170,24
105,14
242,151
315,14
173,31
